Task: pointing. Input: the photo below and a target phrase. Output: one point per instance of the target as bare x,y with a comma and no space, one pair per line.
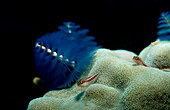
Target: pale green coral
120,84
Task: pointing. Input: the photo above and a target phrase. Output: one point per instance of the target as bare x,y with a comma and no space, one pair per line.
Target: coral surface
120,85
157,56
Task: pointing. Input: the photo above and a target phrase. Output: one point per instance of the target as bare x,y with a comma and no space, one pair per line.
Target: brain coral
120,84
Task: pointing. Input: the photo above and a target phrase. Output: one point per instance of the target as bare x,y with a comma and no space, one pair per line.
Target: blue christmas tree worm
62,56
164,26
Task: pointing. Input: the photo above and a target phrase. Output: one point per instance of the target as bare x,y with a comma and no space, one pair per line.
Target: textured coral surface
120,85
157,56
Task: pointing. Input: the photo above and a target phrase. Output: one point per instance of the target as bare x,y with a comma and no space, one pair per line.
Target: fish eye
80,82
134,57
137,58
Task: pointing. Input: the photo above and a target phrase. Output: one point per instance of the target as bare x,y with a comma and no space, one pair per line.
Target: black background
116,24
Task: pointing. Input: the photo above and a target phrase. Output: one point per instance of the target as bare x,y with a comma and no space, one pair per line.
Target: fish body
84,82
139,61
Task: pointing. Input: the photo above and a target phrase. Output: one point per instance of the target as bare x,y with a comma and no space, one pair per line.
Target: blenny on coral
84,82
62,56
139,61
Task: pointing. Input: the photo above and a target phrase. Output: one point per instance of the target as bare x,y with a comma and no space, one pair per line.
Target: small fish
84,82
139,61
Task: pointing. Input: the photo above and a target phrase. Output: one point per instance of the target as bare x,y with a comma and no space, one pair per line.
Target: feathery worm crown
62,56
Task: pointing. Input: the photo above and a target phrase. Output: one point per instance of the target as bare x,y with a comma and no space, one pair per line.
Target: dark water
116,24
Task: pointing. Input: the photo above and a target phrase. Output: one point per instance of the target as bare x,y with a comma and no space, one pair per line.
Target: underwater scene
84,55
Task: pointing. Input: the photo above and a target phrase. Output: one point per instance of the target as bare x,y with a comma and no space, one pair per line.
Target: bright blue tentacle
71,52
164,26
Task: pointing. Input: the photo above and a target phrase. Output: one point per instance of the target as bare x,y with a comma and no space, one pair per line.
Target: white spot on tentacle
54,54
43,47
38,45
49,50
